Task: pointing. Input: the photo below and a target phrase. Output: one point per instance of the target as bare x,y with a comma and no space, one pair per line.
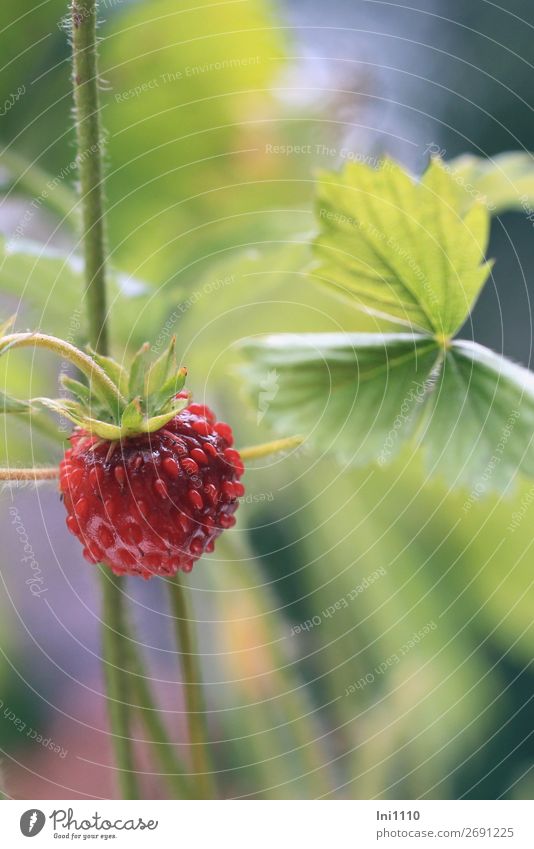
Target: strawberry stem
255,452
164,750
89,144
117,685
192,680
37,474
82,361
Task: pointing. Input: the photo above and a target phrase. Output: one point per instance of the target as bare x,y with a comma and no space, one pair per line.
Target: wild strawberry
158,501
150,480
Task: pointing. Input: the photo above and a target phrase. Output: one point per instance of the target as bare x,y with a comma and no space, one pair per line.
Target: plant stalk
164,750
117,684
82,361
255,452
46,473
192,680
89,158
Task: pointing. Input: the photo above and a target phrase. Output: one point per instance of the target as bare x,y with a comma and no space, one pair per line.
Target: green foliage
399,247
177,205
481,420
503,183
13,405
118,414
49,282
409,250
345,391
197,82
363,396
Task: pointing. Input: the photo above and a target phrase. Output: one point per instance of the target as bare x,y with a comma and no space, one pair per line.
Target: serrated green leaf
503,183
480,420
401,248
13,405
359,395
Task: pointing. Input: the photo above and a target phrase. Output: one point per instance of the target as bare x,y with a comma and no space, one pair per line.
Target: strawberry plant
151,480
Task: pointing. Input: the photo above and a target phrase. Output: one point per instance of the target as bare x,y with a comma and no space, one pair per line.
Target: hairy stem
89,142
37,474
194,701
255,452
117,684
95,373
90,170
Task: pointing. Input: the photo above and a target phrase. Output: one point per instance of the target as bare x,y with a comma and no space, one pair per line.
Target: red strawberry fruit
148,487
159,501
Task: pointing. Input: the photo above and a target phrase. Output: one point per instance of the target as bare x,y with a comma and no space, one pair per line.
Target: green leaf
160,370
400,248
359,395
503,183
13,405
132,417
363,396
79,390
76,413
113,369
154,423
171,387
137,371
480,420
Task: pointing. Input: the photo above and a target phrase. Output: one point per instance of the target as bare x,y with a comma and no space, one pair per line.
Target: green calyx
146,396
114,403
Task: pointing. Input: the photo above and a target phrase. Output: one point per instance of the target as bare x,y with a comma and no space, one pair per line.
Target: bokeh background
217,115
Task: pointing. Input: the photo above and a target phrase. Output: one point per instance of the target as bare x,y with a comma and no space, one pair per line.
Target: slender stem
254,452
37,474
117,684
96,374
164,750
194,701
90,143
90,173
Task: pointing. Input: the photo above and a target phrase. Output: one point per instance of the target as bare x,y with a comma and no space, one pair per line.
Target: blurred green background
216,118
